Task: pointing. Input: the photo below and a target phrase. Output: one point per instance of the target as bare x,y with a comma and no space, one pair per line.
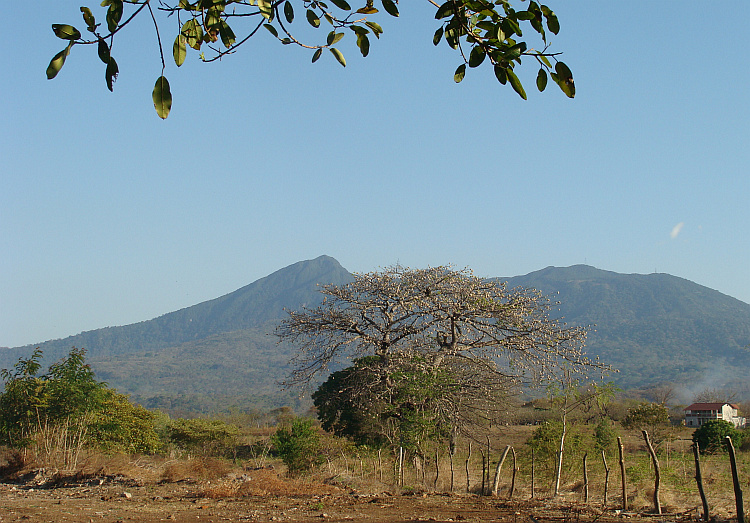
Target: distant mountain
654,328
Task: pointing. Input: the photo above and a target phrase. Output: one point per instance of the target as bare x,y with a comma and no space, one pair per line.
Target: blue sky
109,215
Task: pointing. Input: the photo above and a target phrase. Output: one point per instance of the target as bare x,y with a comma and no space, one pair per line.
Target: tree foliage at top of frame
479,30
435,314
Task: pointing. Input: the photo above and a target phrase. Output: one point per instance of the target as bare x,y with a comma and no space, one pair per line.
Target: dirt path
193,502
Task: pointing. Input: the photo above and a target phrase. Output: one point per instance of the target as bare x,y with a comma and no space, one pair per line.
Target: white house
699,413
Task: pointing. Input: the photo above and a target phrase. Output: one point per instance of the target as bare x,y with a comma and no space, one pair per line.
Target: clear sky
109,215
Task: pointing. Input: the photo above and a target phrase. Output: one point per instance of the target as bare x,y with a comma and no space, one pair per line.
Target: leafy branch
490,31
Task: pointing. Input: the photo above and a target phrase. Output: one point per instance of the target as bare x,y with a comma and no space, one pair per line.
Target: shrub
710,436
298,445
205,436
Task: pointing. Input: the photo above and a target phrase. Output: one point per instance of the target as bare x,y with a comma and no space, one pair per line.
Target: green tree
408,405
480,32
710,436
298,445
651,417
65,410
605,435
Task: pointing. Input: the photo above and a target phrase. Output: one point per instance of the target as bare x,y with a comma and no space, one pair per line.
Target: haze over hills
654,328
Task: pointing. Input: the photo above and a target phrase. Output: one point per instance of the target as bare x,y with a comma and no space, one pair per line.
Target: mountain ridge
654,327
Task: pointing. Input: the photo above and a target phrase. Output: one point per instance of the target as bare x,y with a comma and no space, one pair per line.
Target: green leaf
339,56
460,73
500,74
342,4
438,36
227,35
552,22
515,83
364,44
57,62
376,29
316,55
111,73
445,10
390,7
288,11
367,10
193,33
103,50
162,97
66,32
313,18
525,15
564,79
271,29
266,9
477,56
179,50
541,79
89,19
334,37
544,60
514,52
114,15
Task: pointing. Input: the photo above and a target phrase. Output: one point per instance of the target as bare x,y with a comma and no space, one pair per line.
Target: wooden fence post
622,474
606,478
699,480
657,472
736,481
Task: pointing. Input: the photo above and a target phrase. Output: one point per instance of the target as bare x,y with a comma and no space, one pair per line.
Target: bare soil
262,495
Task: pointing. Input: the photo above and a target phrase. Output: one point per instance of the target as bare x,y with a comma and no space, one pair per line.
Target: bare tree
435,313
478,337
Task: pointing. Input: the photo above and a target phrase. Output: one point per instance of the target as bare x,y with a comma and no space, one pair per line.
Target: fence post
699,480
622,474
736,481
657,472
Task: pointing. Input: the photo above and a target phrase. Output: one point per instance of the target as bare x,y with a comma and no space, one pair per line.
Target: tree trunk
736,481
513,478
496,481
484,473
437,470
558,468
699,481
657,473
453,472
532,472
468,476
622,475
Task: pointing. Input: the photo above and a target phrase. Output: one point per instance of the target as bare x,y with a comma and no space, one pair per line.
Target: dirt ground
261,495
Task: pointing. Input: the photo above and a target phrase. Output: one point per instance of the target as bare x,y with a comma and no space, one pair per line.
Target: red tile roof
709,406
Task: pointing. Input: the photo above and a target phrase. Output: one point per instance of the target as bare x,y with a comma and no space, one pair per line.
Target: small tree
651,417
298,445
605,435
710,436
